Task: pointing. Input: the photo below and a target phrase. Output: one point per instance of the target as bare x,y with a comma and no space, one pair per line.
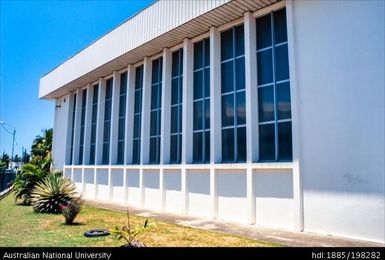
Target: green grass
21,227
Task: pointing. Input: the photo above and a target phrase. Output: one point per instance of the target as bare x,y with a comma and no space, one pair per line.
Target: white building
259,111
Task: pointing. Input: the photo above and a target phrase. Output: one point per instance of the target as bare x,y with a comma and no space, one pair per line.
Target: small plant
71,210
52,192
129,233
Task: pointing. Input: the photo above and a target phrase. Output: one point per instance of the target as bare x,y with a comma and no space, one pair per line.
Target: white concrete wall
117,182
199,193
133,184
60,130
339,60
89,192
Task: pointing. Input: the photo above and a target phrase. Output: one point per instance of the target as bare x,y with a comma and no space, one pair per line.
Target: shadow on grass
73,224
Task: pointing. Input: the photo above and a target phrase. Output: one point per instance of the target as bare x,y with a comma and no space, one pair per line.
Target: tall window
82,125
122,117
233,95
176,107
93,123
156,94
137,115
73,129
201,97
274,105
107,123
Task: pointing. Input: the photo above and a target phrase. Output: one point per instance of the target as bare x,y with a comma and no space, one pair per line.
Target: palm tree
41,150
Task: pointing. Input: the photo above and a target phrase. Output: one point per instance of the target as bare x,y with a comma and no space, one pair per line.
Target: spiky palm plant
51,193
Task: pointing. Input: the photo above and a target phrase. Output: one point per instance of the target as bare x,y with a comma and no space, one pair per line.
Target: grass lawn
20,227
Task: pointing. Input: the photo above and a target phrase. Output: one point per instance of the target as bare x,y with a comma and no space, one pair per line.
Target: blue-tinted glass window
107,122
155,114
201,103
93,122
233,95
122,117
176,107
72,129
82,125
274,103
137,115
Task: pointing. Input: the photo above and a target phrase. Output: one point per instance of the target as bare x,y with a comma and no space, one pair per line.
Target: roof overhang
162,25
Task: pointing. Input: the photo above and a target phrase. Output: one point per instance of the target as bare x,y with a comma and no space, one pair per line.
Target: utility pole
13,145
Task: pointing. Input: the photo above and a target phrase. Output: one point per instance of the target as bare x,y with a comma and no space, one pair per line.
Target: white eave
161,25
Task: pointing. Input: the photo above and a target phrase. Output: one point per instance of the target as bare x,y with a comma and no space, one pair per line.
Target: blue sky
36,36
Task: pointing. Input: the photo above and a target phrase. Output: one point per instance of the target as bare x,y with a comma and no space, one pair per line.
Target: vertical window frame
276,121
94,116
122,118
235,91
205,99
138,99
107,122
82,126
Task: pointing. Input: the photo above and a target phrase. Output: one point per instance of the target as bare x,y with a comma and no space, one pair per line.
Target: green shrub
71,210
129,233
52,192
25,182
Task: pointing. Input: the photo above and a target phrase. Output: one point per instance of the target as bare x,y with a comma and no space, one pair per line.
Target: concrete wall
339,57
60,131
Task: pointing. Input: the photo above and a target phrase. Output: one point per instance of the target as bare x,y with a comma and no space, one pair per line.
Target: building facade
260,111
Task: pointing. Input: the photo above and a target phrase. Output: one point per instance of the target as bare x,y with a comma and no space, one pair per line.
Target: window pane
264,32
207,52
266,142
120,159
227,76
138,77
207,147
158,122
198,55
266,104
137,126
154,96
153,147
198,115
153,123
240,73
155,74
265,67
281,63
174,148
175,63
228,110
174,91
197,147
174,119
227,45
228,145
207,82
239,40
280,31
241,139
138,94
207,114
106,132
107,111
106,153
121,128
94,113
283,100
198,81
122,105
136,152
92,154
241,108
284,142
